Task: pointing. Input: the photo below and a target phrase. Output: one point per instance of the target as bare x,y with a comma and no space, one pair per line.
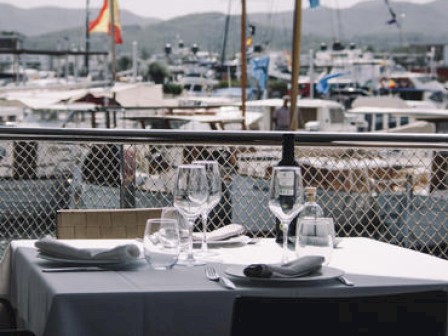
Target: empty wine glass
286,199
214,195
190,195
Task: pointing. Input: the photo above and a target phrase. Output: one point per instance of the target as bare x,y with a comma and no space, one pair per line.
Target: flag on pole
393,19
322,86
314,3
259,71
102,24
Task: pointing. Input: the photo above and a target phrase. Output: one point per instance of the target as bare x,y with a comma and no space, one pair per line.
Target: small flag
249,41
102,24
314,3
322,86
259,71
393,19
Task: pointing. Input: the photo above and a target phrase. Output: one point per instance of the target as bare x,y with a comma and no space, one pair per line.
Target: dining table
182,301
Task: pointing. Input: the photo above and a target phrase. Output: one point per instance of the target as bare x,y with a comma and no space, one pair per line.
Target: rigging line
333,29
226,32
339,20
270,26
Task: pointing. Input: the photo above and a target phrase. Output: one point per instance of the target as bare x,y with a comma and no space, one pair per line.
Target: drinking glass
286,199
173,213
190,195
214,195
161,243
315,236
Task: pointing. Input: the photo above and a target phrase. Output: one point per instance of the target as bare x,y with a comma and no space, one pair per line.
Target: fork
212,275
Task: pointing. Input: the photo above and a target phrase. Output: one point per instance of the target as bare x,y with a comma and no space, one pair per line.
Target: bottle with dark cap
287,159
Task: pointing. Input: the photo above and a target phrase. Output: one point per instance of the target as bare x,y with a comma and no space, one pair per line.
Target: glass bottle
315,233
287,159
311,208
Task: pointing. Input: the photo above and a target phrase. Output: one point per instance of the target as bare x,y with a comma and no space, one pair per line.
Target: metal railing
391,187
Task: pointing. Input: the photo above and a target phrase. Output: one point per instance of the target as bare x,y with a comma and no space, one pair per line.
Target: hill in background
364,24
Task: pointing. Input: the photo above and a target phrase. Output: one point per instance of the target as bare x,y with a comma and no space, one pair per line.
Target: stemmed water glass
286,199
190,195
214,195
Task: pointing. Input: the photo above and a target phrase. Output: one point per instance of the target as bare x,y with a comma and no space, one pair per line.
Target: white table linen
181,301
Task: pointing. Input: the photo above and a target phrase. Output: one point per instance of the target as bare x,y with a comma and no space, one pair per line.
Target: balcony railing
391,187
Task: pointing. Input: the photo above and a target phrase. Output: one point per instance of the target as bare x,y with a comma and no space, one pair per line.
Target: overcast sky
165,9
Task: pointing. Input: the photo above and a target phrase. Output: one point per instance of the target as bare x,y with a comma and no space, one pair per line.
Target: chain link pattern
393,195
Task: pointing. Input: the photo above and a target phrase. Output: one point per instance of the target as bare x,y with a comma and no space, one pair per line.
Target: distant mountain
364,24
44,20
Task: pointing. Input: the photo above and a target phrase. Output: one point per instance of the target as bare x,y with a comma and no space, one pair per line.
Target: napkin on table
54,248
222,233
296,268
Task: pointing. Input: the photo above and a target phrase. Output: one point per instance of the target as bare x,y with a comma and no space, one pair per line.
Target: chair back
103,223
422,313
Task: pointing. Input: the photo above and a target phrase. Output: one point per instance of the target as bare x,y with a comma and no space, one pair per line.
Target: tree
157,72
124,63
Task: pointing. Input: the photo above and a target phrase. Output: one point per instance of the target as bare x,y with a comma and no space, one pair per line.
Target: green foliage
144,54
157,72
172,88
277,88
225,84
124,63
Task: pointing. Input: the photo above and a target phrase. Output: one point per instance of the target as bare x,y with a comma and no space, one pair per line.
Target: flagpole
243,62
112,38
296,35
86,57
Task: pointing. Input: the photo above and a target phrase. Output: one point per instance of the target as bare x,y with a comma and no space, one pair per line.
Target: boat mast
293,125
112,38
243,62
226,33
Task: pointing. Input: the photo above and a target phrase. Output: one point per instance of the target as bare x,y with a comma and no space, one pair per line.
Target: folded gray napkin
222,233
54,248
296,268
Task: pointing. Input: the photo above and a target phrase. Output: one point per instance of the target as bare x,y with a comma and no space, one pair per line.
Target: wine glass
214,195
286,199
190,195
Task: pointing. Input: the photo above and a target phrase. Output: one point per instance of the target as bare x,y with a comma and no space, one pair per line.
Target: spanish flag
102,24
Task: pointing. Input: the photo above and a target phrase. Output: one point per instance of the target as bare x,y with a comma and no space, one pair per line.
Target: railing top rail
219,137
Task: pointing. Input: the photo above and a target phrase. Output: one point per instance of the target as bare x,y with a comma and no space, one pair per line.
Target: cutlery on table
212,275
346,281
77,269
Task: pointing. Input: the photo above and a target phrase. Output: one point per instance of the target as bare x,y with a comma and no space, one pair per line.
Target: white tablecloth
181,301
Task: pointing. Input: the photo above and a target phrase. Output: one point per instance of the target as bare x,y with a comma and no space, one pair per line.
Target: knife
226,282
76,269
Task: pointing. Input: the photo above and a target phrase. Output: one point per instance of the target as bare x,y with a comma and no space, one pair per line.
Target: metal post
134,61
311,56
